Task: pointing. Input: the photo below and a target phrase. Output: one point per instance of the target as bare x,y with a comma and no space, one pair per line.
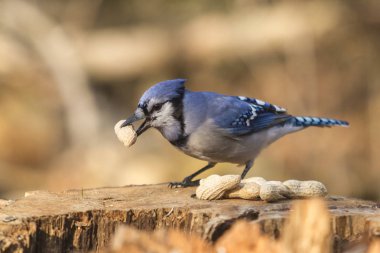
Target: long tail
319,122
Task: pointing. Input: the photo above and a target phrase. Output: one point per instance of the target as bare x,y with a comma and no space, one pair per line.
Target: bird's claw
175,185
185,183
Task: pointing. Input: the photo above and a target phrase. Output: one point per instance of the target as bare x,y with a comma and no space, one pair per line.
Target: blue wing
241,115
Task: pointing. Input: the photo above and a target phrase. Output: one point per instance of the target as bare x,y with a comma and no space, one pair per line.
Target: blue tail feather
319,122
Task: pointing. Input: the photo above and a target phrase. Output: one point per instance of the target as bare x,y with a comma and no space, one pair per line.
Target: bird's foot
185,183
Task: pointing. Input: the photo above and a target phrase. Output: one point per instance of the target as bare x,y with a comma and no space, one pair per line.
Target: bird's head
160,106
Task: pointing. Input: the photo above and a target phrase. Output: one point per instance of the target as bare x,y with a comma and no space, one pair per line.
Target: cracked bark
86,220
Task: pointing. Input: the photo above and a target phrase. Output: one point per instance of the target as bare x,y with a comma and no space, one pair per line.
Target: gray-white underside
209,145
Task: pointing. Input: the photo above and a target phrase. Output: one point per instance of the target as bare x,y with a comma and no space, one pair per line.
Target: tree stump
86,219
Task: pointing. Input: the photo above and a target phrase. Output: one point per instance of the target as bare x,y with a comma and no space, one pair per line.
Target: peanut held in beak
126,135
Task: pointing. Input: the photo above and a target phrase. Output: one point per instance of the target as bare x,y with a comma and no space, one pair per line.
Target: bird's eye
156,107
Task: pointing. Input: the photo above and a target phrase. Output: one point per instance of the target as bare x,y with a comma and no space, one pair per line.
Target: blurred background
69,70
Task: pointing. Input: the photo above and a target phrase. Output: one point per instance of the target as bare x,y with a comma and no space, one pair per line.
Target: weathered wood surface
86,219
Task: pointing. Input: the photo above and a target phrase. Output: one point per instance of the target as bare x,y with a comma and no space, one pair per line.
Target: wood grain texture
86,219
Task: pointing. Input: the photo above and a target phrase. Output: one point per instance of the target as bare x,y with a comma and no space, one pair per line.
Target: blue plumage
214,127
165,90
259,116
319,122
263,115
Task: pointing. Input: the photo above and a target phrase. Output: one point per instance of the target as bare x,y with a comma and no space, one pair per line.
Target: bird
216,128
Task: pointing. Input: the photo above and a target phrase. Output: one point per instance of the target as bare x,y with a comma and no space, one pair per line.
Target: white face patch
153,102
164,120
163,115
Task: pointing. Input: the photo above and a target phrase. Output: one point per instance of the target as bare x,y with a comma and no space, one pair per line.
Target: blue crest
165,90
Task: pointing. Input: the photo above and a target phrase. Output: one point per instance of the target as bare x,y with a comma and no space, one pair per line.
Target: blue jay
216,128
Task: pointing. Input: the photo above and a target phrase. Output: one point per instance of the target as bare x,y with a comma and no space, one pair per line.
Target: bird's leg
187,181
248,166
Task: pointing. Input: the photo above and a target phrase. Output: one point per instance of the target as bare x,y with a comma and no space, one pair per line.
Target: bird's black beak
144,126
138,115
